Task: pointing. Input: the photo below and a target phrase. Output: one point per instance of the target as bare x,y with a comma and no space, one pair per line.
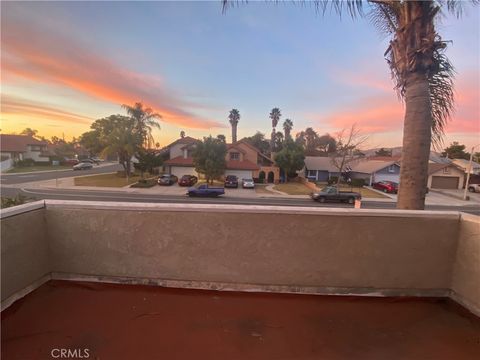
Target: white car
248,184
474,187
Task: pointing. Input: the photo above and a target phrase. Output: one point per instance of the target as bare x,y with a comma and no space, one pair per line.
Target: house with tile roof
21,147
242,160
445,176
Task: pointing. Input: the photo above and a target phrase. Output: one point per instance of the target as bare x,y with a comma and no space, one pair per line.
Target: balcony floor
144,322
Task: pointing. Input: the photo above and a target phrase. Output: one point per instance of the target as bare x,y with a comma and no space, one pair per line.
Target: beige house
445,176
242,160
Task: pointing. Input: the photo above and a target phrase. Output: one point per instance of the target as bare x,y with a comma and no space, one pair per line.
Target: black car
231,181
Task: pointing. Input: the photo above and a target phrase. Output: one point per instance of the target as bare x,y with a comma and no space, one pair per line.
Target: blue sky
193,64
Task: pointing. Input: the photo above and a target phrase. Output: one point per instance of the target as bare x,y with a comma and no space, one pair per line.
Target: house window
312,173
391,168
446,170
234,156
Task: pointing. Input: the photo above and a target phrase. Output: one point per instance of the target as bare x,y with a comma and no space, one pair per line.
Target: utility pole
468,173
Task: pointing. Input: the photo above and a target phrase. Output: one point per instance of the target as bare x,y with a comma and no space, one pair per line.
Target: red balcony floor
143,322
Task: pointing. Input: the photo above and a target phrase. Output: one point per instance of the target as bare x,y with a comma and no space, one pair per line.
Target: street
11,186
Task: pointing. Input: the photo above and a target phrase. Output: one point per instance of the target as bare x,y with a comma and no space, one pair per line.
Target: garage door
240,174
444,182
183,170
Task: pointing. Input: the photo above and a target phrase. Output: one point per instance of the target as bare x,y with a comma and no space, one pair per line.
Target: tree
147,161
278,144
423,77
287,128
29,132
117,135
383,152
326,144
290,158
456,151
348,144
258,140
222,138
145,120
234,117
275,115
209,158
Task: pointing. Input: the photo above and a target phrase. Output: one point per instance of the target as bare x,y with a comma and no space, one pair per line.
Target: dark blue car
205,190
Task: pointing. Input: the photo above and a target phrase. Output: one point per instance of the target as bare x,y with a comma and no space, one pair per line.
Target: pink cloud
46,57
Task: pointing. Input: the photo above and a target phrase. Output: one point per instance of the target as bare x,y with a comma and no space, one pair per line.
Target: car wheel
322,199
471,189
385,190
351,200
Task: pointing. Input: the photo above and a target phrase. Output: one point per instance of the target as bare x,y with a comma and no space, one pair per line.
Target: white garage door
386,177
241,174
183,170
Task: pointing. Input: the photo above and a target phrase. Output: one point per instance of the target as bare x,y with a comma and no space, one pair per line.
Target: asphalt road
62,194
11,179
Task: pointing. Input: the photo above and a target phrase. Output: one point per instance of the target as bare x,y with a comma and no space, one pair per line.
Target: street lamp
468,172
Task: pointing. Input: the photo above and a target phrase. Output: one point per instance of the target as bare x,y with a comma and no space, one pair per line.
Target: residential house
445,176
319,169
21,147
376,170
242,160
465,164
180,157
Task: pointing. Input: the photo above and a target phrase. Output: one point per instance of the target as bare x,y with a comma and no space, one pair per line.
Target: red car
187,180
386,186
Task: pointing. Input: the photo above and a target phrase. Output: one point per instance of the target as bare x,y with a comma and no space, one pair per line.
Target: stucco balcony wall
251,248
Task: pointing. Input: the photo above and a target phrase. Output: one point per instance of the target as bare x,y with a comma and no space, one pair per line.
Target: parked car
231,181
167,179
83,166
205,190
386,186
248,184
474,188
71,162
331,193
187,180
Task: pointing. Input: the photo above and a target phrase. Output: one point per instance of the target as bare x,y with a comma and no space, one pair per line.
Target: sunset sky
66,64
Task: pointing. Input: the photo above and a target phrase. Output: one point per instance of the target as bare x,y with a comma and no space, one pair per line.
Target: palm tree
234,117
275,115
145,121
287,128
422,73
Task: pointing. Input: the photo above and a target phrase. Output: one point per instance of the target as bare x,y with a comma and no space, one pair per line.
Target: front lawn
25,169
293,188
106,180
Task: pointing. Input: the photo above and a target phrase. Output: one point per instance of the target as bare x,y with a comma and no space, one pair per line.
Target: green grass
106,180
148,183
262,189
293,188
38,168
216,183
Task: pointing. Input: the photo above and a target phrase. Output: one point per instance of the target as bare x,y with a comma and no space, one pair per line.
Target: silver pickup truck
331,193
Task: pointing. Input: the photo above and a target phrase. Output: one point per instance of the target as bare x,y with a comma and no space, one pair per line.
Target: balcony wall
286,249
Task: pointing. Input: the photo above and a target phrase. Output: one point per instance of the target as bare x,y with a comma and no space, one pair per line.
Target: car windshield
248,180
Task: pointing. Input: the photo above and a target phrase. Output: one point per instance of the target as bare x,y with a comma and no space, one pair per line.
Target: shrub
25,163
144,183
332,180
358,182
17,200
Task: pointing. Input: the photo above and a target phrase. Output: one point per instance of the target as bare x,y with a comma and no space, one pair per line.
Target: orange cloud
46,57
13,105
384,112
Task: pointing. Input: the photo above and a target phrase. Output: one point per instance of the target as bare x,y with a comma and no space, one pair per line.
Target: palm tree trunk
417,136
